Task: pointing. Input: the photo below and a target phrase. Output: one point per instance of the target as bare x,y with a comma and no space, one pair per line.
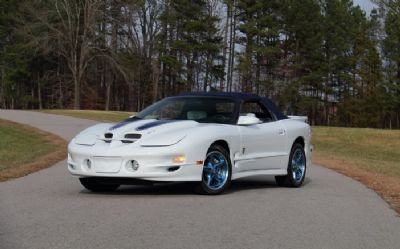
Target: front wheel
296,168
94,185
217,171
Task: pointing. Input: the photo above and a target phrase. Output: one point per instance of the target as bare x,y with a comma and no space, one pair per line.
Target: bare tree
78,19
71,26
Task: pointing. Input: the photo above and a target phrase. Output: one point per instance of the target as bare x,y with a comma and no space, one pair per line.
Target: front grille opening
172,169
108,135
133,136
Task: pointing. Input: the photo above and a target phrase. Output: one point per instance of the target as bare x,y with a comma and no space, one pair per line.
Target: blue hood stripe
155,123
123,123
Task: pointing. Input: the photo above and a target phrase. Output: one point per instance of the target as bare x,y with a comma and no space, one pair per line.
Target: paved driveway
49,209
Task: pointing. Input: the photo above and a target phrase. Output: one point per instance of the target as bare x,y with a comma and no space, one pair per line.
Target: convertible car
209,139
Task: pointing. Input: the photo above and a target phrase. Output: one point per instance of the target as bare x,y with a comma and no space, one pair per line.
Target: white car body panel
259,149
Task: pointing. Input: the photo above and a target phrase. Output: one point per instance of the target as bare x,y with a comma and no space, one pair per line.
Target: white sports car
206,138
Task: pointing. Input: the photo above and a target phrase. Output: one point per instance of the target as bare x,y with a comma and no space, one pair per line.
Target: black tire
288,180
95,186
202,187
281,180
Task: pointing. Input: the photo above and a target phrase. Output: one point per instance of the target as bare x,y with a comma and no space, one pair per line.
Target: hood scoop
108,137
131,137
127,138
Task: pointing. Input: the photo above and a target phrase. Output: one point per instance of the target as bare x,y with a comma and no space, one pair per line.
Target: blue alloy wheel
296,170
215,171
298,165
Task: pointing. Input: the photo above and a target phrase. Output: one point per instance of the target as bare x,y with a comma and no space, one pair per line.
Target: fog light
88,163
179,159
132,165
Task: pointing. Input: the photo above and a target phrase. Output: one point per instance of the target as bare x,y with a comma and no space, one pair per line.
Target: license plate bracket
107,164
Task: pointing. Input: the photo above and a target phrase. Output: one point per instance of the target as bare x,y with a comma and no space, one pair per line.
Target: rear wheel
217,171
296,168
95,186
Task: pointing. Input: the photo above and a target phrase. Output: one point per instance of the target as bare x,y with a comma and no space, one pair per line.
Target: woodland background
326,59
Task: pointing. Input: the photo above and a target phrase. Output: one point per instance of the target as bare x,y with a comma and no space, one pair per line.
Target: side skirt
269,172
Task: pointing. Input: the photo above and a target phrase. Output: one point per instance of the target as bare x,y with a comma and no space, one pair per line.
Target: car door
263,145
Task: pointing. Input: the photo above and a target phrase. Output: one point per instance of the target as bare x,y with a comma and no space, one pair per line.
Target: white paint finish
265,144
261,148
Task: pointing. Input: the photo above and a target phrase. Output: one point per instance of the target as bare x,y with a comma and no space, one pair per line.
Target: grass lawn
25,149
374,150
103,116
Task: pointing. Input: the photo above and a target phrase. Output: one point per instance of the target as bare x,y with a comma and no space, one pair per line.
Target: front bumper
155,163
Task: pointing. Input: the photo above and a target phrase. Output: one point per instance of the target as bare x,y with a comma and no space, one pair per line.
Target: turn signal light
179,159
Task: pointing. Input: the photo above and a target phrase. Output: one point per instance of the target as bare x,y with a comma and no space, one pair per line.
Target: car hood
141,132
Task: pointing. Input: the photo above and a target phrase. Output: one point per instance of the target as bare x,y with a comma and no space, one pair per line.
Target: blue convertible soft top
241,97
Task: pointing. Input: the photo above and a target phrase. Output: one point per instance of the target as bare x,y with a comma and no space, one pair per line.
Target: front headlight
86,139
162,141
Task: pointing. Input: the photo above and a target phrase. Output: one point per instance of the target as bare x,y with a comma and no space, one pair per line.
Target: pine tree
391,49
258,22
303,59
192,28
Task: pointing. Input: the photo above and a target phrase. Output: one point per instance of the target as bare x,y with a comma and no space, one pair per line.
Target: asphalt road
49,209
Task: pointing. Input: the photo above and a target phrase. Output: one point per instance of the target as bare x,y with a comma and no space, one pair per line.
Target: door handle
281,132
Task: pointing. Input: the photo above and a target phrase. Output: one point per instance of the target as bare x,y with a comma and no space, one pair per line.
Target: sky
366,5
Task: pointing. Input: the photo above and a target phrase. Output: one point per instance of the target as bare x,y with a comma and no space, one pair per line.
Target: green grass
21,145
103,116
374,150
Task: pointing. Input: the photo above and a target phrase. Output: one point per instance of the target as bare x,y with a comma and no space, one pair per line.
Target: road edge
388,188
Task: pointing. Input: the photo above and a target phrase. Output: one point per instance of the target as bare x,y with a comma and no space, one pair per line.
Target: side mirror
249,119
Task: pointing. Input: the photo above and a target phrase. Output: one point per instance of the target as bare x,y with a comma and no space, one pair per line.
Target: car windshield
202,110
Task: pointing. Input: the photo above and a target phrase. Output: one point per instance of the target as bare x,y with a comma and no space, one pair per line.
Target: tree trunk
258,68
225,48
2,98
189,77
232,47
156,77
40,95
77,93
207,73
108,93
60,96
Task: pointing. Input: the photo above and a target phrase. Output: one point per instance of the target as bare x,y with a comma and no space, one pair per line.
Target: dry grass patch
26,149
102,116
371,156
